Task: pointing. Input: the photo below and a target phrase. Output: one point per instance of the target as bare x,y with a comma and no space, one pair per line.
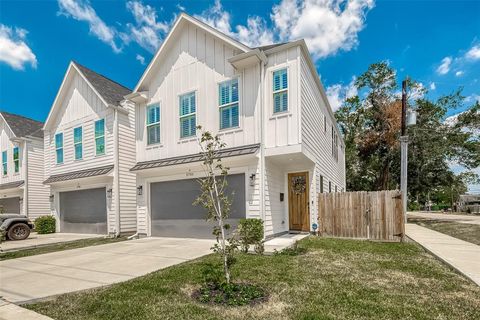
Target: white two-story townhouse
89,151
21,147
269,107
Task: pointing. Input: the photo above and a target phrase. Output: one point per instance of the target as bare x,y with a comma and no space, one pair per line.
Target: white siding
127,179
37,194
283,129
276,211
6,144
316,140
196,61
80,106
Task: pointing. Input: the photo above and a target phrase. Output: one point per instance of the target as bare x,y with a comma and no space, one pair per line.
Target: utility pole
404,150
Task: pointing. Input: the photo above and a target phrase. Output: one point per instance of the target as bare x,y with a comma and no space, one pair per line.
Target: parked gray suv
16,226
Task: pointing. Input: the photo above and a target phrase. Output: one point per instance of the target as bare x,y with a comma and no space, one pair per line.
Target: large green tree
370,123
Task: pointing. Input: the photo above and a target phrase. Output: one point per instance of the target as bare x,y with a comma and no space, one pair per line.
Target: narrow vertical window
228,103
153,124
4,163
59,147
324,123
100,137
321,184
329,186
16,159
78,143
187,115
280,91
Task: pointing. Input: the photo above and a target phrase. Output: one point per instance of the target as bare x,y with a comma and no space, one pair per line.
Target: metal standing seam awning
79,174
224,153
11,185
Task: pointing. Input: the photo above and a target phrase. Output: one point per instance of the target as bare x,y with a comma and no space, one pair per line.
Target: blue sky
434,42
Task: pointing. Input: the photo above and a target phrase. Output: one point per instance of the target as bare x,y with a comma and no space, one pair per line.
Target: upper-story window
324,123
228,102
78,142
16,160
4,163
280,90
334,144
100,137
187,115
59,147
153,124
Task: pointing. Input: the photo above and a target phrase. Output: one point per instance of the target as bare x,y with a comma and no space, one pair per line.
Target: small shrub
45,224
251,233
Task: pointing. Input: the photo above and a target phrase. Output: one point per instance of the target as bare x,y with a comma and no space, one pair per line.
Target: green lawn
58,247
462,231
334,279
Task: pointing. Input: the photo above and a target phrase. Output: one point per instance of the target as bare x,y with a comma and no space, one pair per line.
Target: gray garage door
173,214
10,205
84,211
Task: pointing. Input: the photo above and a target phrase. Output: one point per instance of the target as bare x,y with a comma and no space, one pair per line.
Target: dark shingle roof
79,174
270,46
11,185
225,153
22,126
112,92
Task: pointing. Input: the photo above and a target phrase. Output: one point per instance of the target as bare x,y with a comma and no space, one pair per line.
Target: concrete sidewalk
283,242
460,218
10,311
461,255
39,240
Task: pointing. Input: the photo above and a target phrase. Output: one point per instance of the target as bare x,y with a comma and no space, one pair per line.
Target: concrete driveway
31,278
38,240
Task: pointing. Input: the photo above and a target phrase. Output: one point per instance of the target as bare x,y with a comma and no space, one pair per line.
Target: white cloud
327,26
147,31
417,92
180,7
81,10
472,98
459,73
140,58
433,86
444,67
473,53
338,93
13,49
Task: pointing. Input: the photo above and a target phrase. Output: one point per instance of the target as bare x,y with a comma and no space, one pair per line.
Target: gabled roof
185,18
109,91
22,126
270,46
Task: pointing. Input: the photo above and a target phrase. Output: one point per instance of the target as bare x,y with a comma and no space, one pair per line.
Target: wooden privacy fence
366,215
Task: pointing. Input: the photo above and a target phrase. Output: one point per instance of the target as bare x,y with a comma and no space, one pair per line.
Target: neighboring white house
21,148
89,149
266,103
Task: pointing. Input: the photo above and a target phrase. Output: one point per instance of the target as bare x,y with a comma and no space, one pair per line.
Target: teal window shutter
153,124
280,90
228,103
16,159
4,163
59,147
78,143
187,110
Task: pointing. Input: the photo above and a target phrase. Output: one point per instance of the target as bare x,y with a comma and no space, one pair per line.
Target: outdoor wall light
139,190
52,197
109,193
252,180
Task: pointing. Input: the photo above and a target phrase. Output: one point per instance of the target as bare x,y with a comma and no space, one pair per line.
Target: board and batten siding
196,61
127,178
80,107
276,211
38,201
283,129
316,140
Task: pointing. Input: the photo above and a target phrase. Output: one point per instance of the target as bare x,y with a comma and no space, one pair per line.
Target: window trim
16,160
102,136
286,68
59,148
5,163
189,115
222,106
76,143
147,125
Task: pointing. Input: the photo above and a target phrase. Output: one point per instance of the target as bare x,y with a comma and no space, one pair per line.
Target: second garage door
174,215
10,205
84,211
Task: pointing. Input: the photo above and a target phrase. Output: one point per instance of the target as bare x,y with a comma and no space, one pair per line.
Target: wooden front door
298,200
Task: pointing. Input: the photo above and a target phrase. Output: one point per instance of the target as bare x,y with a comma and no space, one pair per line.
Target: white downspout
262,143
116,177
25,185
